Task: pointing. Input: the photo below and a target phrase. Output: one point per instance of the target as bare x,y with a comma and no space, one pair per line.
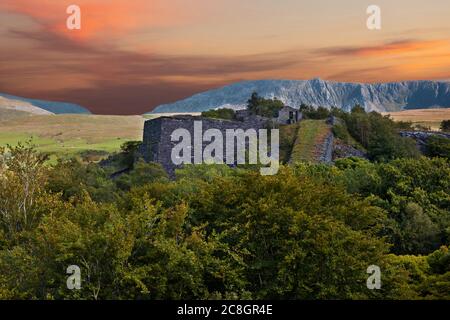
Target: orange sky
131,55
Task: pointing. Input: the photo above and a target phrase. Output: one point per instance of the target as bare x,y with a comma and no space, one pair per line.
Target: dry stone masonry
157,142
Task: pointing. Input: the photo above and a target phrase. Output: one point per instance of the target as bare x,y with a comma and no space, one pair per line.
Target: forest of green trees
214,232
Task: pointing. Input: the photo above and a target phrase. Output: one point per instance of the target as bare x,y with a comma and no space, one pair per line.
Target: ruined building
157,142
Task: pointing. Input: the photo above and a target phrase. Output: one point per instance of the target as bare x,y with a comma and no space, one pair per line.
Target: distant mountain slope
379,97
39,106
14,105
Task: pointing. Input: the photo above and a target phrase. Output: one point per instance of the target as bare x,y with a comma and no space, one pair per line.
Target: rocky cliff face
373,97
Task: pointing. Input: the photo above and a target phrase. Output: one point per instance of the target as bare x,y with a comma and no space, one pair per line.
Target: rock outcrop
422,137
379,97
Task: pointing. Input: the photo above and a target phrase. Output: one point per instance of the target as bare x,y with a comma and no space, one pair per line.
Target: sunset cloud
99,17
83,73
131,55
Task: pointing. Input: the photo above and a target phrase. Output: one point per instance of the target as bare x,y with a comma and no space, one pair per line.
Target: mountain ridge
381,97
39,107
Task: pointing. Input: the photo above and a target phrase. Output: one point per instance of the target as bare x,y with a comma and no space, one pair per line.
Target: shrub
264,107
445,125
227,114
438,147
309,112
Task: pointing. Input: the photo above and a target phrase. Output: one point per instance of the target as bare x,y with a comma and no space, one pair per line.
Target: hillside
379,97
10,107
72,134
39,107
10,114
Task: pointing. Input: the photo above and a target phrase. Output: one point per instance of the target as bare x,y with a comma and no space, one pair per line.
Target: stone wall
252,120
157,145
327,149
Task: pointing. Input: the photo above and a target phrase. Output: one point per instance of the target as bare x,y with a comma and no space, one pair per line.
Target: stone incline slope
314,142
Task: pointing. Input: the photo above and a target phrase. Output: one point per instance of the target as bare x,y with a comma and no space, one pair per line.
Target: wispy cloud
390,48
118,62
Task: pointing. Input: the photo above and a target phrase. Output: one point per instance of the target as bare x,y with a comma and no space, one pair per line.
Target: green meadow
69,135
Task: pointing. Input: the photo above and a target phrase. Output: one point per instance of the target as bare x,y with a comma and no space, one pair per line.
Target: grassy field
8,114
310,137
71,134
426,117
157,115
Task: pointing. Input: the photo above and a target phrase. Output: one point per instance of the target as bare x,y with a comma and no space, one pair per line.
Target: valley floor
426,117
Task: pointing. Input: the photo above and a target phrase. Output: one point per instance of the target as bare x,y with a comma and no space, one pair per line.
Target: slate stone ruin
157,145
